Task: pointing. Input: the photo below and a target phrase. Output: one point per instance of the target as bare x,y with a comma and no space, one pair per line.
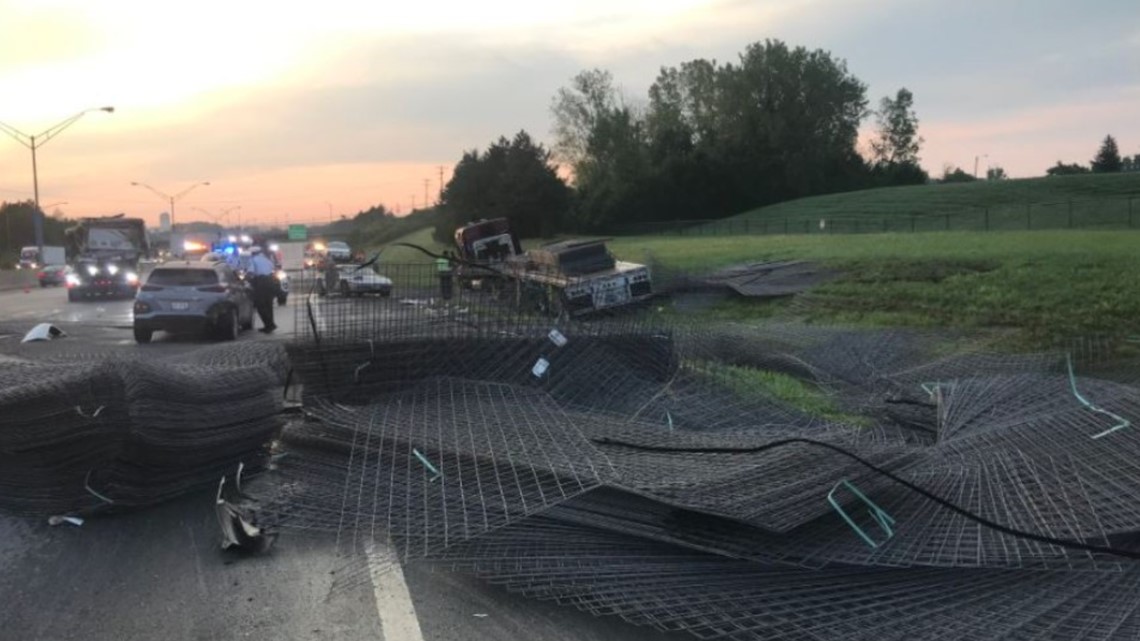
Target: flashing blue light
230,249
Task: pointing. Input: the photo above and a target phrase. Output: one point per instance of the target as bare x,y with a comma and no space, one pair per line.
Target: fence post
987,217
1070,213
947,221
1028,216
912,223
884,225
1130,199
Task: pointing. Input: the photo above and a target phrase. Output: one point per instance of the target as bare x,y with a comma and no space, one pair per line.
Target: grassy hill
1090,201
1047,286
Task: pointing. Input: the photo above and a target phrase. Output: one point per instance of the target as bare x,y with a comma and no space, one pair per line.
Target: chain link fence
1093,214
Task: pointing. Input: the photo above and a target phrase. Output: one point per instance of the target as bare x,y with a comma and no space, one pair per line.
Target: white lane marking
393,602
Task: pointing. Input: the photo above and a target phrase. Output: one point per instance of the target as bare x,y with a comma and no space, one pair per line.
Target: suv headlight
132,278
281,275
72,280
92,270
112,269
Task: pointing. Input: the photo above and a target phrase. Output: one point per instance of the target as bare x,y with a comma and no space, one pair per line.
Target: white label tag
557,338
540,367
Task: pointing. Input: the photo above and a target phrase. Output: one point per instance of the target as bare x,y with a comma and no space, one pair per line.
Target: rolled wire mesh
111,433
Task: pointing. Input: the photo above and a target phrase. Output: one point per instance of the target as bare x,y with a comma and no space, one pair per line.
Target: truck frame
573,277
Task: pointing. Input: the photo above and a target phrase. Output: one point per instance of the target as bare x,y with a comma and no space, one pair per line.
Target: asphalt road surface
160,573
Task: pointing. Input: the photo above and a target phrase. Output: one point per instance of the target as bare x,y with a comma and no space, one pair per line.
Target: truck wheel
142,336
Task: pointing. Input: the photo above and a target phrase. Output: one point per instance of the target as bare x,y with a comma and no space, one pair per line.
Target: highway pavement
159,573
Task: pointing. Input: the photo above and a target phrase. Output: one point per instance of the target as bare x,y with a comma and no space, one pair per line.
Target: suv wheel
230,326
142,336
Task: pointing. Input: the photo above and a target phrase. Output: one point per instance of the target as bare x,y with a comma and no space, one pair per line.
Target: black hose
1074,545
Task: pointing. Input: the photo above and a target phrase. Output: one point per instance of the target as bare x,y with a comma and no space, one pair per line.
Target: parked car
193,297
348,280
53,275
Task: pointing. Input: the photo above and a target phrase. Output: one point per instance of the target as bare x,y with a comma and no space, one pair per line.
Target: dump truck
574,277
106,252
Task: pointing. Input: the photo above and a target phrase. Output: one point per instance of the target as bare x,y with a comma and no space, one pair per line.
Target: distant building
164,221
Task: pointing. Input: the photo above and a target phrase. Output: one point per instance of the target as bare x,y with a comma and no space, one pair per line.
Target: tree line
708,140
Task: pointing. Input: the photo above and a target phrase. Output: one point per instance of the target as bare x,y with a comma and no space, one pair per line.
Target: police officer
446,280
264,288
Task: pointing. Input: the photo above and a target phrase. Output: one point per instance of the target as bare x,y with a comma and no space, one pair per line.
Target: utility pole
34,143
441,183
413,203
976,163
426,181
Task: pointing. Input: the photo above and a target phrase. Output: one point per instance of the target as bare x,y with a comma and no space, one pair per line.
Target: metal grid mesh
635,475
110,433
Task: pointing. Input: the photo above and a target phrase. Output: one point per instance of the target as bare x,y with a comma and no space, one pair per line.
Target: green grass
1088,201
1047,285
407,255
747,382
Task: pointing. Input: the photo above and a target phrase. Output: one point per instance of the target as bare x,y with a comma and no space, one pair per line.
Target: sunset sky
290,111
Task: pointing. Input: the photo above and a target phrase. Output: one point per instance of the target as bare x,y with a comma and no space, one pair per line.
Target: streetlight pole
976,163
171,199
34,143
330,211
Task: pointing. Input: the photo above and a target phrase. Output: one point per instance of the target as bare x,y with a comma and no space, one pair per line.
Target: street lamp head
109,110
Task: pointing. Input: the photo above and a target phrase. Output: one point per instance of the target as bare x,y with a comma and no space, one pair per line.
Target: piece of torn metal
43,332
238,530
60,520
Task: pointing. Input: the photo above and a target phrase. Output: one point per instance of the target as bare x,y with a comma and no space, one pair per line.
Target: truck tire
142,336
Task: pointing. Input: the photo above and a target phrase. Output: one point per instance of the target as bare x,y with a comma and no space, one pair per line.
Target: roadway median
17,279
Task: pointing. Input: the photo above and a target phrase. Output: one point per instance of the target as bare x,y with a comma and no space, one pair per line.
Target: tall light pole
34,143
976,163
171,199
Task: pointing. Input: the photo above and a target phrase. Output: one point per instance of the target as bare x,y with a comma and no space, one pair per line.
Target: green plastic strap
884,520
1121,421
428,465
669,417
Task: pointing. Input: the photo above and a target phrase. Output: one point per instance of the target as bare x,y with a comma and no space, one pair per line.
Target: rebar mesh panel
446,461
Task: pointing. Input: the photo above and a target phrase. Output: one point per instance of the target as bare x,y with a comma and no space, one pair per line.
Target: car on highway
338,251
193,297
53,275
351,279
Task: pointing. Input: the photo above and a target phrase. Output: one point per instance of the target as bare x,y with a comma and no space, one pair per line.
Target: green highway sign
298,232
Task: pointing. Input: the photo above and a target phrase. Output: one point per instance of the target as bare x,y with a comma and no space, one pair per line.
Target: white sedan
349,280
